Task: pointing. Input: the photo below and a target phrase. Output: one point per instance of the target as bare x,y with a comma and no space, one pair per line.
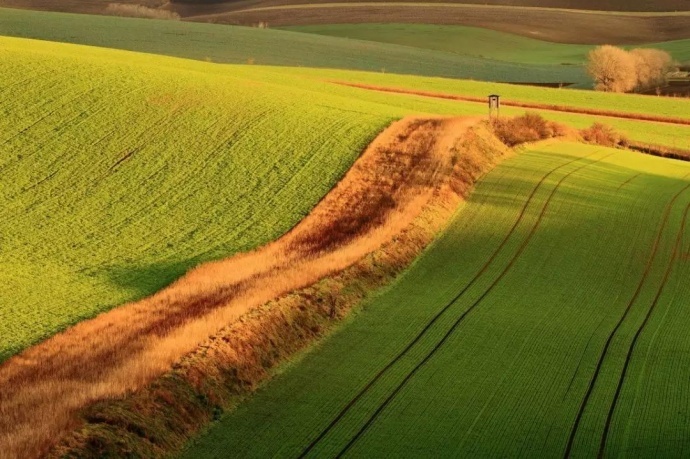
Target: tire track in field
438,315
607,345
457,323
633,344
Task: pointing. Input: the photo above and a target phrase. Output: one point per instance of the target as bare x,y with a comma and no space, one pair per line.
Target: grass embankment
477,42
94,243
129,170
413,177
492,345
242,45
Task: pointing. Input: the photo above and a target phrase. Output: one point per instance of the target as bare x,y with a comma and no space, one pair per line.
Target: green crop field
476,42
552,320
240,45
134,168
120,171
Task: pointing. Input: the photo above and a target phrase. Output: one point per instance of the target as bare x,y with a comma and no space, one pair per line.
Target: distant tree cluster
617,70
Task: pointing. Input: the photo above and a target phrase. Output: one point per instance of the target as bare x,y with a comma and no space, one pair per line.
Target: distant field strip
538,106
467,5
488,346
242,45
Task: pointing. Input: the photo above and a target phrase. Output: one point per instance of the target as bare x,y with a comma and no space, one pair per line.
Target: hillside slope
476,42
121,171
242,45
549,320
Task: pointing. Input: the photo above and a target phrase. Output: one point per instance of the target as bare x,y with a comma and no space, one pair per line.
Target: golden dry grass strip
158,419
43,388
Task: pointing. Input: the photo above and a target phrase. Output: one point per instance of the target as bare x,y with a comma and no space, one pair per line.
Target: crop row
503,370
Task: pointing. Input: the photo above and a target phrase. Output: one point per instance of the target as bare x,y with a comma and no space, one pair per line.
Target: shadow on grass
142,281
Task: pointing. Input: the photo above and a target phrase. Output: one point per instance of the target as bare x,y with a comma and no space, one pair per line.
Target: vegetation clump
601,134
529,127
617,70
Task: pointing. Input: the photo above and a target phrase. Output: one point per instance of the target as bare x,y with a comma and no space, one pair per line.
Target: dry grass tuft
604,135
530,127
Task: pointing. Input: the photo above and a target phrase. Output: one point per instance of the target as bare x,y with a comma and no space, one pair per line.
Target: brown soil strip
660,150
529,105
412,164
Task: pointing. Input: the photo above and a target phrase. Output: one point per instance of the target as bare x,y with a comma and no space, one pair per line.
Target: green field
121,171
476,42
134,168
240,45
553,309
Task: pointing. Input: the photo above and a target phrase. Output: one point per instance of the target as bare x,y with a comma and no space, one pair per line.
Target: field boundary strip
518,104
400,355
438,315
633,344
321,245
463,6
457,323
633,300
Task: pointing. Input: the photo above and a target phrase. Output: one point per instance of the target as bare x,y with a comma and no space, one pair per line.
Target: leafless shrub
140,11
529,127
612,68
601,134
652,65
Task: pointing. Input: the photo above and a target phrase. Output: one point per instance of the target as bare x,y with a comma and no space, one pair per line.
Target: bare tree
652,65
612,68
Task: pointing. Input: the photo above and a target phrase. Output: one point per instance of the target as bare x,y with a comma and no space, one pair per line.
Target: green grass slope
131,168
120,171
550,316
477,42
240,45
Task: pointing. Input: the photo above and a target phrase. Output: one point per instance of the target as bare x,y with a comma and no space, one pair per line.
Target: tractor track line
633,344
460,319
638,291
438,315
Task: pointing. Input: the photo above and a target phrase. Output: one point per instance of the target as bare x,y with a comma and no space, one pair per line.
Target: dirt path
533,105
42,389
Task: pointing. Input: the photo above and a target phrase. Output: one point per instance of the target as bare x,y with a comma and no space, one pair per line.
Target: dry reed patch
160,418
121,351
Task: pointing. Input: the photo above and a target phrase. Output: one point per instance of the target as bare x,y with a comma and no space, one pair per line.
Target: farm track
438,315
457,323
628,308
137,342
529,105
667,274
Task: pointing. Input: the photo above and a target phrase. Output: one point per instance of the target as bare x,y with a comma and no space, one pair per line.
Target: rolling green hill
241,45
120,171
476,42
135,167
548,320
